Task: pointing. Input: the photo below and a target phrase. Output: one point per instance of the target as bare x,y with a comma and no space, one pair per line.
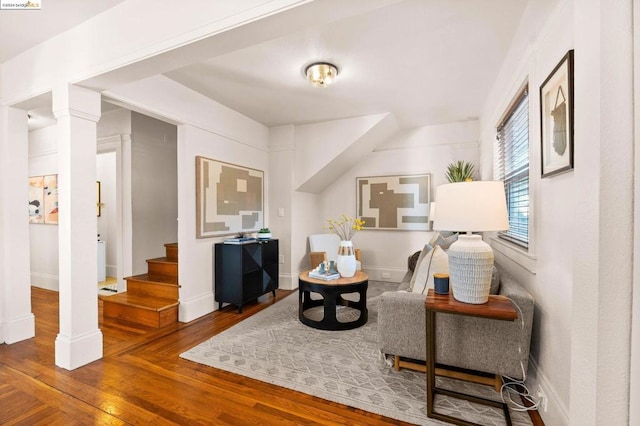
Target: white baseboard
112,271
556,412
74,352
381,273
46,281
188,310
288,281
19,329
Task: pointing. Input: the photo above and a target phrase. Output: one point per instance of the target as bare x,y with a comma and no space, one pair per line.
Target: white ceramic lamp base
470,269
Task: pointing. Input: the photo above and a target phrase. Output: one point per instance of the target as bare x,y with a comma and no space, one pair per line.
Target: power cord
511,386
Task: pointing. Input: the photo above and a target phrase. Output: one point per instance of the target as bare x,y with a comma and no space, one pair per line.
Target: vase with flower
345,227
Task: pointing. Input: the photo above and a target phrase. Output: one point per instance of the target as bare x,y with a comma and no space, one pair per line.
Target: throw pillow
413,260
495,281
435,261
445,242
423,253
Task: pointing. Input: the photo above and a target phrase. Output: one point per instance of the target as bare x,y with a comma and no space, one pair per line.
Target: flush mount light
321,74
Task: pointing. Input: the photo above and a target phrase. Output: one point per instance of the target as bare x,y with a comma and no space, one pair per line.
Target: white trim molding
19,329
74,352
521,257
189,310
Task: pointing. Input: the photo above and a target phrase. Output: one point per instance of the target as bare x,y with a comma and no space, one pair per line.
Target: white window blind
512,166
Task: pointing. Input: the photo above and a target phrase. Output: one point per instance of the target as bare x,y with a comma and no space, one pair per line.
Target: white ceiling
22,29
427,61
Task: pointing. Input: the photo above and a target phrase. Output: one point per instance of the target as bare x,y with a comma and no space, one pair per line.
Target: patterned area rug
273,346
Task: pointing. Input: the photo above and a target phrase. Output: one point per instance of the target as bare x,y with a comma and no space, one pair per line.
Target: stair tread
155,278
171,245
143,302
163,259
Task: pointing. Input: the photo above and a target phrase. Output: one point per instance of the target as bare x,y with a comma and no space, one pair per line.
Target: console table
497,308
244,272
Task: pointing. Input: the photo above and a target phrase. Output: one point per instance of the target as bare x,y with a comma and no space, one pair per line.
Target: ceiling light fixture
321,74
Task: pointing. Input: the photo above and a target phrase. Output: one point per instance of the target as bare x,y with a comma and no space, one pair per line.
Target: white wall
547,31
281,212
43,238
107,222
196,255
208,129
545,35
423,150
154,186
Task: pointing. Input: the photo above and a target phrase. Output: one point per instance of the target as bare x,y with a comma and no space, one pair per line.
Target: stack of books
327,276
239,240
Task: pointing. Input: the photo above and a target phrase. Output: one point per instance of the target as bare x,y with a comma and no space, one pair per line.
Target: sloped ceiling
425,61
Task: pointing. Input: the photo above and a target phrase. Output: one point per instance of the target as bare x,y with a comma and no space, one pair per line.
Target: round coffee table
331,292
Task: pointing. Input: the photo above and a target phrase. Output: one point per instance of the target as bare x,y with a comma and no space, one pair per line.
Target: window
512,166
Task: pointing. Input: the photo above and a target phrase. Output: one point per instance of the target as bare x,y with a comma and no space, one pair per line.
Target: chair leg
396,362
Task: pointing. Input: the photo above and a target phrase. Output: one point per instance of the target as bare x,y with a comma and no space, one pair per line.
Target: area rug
273,346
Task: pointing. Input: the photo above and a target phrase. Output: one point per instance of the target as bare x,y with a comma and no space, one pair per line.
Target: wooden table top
357,278
498,307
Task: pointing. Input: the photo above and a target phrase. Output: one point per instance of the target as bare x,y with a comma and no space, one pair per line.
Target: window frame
521,174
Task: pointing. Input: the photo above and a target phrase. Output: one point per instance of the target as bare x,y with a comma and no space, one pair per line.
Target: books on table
239,240
324,275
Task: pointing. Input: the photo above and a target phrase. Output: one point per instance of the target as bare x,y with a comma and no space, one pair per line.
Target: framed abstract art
229,198
399,202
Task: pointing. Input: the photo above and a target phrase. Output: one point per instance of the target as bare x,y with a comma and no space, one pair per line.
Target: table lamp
471,207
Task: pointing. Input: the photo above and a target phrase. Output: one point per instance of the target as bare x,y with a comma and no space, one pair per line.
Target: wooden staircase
151,299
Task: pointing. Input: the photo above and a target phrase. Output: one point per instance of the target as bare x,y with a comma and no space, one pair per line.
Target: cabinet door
270,264
270,252
228,276
251,258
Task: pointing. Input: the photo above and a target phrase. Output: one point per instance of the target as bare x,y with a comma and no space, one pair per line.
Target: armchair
325,247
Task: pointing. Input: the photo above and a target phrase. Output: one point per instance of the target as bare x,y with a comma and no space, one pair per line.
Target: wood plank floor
142,380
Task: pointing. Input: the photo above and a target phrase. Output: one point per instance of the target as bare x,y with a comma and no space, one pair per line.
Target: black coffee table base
332,297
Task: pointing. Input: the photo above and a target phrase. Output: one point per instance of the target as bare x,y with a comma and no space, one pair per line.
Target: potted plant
264,234
460,171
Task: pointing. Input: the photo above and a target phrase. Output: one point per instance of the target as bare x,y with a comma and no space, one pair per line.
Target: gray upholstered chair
500,348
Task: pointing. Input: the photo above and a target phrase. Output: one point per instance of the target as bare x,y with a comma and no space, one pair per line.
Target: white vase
346,259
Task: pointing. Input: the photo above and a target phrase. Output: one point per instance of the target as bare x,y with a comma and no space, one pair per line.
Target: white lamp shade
432,211
471,207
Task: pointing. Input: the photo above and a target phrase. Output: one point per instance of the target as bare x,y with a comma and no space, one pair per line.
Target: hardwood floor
142,380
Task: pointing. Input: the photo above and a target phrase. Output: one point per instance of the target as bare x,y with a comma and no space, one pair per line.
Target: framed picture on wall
398,202
43,199
556,119
229,198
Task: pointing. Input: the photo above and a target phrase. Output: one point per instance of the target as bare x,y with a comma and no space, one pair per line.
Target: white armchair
325,247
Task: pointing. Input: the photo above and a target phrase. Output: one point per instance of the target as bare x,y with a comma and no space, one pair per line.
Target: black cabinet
245,272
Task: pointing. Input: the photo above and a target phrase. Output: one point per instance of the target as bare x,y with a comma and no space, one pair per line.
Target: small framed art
556,119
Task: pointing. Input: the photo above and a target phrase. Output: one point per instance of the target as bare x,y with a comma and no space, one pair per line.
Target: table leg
431,360
330,316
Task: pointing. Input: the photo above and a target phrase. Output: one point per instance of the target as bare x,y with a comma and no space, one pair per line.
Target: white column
603,247
79,340
16,320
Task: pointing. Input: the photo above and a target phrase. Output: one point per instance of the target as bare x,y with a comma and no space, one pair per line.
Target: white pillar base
75,352
19,329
